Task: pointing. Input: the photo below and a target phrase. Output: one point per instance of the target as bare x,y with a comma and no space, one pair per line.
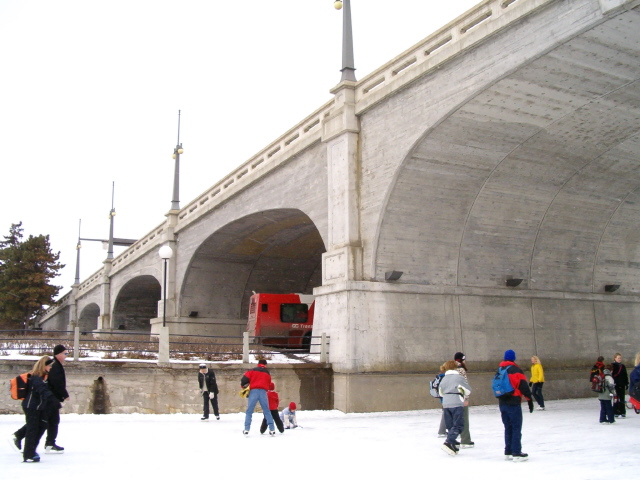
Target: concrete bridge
503,147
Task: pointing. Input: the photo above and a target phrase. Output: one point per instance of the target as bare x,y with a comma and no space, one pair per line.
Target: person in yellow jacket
536,382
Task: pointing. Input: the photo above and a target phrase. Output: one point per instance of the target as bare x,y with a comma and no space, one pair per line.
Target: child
274,400
606,405
288,416
453,388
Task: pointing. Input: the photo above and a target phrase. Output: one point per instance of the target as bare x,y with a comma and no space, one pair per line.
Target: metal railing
146,346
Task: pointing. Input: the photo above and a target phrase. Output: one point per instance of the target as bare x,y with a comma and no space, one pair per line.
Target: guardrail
146,346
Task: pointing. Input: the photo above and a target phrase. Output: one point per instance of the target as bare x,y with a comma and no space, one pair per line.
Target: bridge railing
145,346
467,30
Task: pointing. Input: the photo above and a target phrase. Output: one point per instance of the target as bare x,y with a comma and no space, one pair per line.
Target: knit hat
58,349
48,362
459,357
510,356
202,365
292,406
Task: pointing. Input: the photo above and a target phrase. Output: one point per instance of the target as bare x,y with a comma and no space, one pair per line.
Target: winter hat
459,357
292,406
272,386
262,362
202,365
58,349
510,356
48,362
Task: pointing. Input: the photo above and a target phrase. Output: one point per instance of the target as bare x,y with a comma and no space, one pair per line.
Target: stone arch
136,304
275,251
531,178
88,318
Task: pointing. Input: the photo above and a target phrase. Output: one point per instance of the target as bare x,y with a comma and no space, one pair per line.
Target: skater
606,405
288,416
455,392
442,429
36,406
511,409
597,368
274,401
258,380
619,374
634,385
208,390
537,381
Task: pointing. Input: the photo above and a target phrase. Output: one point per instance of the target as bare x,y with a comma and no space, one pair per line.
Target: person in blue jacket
36,405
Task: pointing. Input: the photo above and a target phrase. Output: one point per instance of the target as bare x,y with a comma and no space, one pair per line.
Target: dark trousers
512,421
606,411
52,428
536,391
214,404
454,420
619,407
276,420
34,429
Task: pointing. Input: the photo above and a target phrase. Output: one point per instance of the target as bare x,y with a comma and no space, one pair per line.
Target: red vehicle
283,320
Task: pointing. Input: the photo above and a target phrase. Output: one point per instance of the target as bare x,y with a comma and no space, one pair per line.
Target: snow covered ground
564,442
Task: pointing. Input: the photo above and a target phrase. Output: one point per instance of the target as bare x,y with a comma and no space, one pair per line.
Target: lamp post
175,202
348,68
165,254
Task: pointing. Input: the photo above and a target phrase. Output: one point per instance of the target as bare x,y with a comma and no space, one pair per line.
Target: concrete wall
136,387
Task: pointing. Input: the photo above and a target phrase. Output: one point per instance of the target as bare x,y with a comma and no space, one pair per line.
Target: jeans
606,411
454,419
512,421
258,395
214,404
536,391
465,435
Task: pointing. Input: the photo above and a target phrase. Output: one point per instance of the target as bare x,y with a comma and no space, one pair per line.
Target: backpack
19,386
597,382
434,384
501,384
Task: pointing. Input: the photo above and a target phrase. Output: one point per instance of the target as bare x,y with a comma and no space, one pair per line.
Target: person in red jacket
258,380
274,401
511,410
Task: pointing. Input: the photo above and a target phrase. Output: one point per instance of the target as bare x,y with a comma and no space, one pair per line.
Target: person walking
511,409
258,380
606,406
36,406
57,381
537,381
454,390
274,401
619,374
209,391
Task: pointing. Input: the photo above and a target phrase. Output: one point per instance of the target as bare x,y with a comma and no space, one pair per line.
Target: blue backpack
500,383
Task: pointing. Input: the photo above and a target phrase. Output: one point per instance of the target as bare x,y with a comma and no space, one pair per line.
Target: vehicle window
294,312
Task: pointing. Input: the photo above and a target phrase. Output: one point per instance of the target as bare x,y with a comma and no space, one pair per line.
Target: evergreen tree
26,268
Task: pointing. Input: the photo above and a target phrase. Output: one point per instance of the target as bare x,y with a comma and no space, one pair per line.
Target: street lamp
175,202
165,254
348,68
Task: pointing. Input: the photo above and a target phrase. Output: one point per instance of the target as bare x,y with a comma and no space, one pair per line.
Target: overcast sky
90,92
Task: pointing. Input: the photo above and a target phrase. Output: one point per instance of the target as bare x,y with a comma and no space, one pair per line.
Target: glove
530,402
244,393
530,384
212,395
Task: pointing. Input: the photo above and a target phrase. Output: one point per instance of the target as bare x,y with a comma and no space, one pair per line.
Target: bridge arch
276,251
137,303
534,177
88,317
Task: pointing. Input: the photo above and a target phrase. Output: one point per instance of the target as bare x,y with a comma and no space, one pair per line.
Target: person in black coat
209,390
58,384
619,374
36,406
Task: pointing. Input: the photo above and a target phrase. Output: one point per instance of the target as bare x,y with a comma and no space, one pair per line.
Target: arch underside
537,177
88,318
137,304
275,251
